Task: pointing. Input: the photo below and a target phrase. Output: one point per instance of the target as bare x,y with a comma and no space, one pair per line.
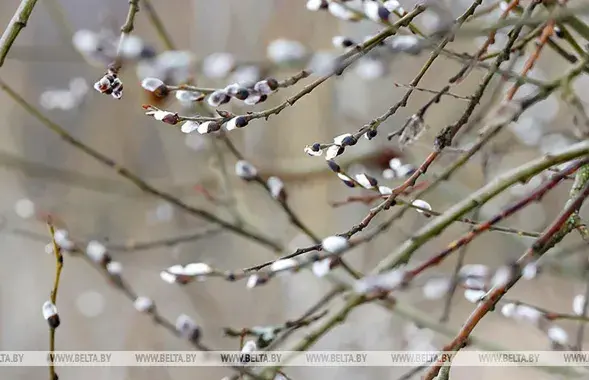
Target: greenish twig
58,268
17,23
132,177
552,235
436,226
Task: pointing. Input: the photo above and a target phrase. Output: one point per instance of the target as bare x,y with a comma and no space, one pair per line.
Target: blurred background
95,203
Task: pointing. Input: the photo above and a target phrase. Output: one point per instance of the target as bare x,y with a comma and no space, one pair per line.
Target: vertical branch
462,253
130,176
581,328
18,23
58,268
126,29
546,33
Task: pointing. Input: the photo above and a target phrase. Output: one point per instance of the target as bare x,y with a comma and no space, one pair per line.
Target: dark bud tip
315,147
383,13
195,337
559,32
272,83
147,52
333,166
371,134
349,183
410,172
161,91
240,122
242,93
225,99
350,140
347,42
54,321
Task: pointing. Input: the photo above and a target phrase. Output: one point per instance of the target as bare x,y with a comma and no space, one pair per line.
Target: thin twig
126,29
17,23
130,176
552,235
58,268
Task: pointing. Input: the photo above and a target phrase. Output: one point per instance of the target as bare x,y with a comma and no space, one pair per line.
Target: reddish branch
467,238
532,59
483,49
540,246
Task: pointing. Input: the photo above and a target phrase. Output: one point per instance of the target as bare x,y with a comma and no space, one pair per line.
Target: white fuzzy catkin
276,187
322,267
334,244
283,265
578,304
143,304
168,277
473,295
385,281
189,126
365,180
249,346
508,310
421,204
49,310
332,152
152,84
197,269
114,268
96,251
502,276
527,313
245,170
253,281
62,239
186,326
474,270
530,271
558,335
384,190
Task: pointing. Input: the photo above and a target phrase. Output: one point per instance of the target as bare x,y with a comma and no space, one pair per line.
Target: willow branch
17,23
58,268
132,177
553,234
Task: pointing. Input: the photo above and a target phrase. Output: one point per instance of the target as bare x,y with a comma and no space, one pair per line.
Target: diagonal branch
132,177
18,23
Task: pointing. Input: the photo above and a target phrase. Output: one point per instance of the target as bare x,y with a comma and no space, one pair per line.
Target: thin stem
17,23
130,176
555,232
402,254
534,196
58,268
126,29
